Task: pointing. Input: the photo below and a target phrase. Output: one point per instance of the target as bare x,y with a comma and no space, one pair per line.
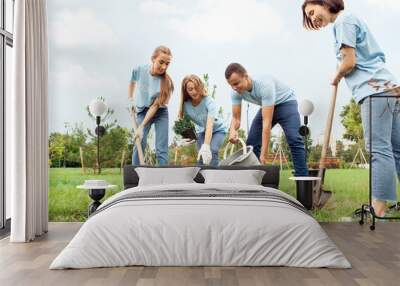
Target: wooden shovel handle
138,142
327,136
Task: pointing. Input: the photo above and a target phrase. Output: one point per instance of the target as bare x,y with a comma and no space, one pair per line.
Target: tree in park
339,149
114,146
56,149
64,148
351,120
75,137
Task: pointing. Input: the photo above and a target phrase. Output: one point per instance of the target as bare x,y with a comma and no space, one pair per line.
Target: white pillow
166,176
248,177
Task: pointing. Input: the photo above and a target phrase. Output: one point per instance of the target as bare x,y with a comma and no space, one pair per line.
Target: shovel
321,196
138,142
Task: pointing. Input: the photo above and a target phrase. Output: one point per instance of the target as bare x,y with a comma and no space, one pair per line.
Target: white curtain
27,121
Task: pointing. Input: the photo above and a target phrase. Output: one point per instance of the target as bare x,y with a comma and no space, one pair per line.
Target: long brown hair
334,6
198,85
166,85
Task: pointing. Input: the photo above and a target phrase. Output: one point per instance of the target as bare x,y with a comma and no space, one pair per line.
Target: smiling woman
362,63
319,13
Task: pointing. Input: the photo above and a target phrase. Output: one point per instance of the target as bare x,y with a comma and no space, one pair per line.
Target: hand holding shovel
321,196
138,139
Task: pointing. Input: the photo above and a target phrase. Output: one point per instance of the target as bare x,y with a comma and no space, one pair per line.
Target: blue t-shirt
265,92
147,86
199,114
370,75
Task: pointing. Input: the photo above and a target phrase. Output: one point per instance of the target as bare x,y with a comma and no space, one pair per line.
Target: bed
201,224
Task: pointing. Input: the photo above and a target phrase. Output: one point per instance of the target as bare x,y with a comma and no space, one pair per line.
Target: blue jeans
288,117
385,158
216,142
160,121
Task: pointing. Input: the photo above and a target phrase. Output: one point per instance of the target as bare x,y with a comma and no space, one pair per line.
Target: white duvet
202,231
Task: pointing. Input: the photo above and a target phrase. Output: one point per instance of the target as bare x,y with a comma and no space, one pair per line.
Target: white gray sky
95,44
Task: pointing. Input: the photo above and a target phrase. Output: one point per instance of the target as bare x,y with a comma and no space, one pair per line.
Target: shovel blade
323,199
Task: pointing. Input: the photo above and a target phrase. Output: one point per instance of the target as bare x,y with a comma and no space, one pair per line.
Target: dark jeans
288,117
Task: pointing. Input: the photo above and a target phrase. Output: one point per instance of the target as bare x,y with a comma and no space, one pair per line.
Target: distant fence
330,163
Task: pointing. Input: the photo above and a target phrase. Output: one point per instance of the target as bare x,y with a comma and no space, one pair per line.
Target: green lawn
67,203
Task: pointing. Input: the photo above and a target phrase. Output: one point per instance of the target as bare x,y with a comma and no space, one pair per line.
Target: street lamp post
97,108
306,109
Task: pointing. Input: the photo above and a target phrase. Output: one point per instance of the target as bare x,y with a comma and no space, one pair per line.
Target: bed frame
270,179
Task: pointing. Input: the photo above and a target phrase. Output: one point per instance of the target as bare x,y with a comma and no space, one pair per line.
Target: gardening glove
205,154
139,133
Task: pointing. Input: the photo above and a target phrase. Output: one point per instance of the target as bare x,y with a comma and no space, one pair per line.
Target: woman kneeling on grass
154,89
202,110
362,64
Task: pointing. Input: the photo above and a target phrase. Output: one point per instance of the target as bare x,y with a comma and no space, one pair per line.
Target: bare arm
131,91
235,123
209,130
236,115
267,113
347,65
151,112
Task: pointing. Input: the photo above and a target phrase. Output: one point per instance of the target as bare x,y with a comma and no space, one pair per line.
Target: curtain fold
29,123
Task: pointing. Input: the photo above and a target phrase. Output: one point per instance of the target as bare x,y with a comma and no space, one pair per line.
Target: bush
64,149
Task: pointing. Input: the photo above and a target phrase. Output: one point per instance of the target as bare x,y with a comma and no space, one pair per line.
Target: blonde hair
198,85
166,85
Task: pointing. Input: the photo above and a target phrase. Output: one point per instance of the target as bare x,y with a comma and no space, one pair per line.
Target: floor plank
375,257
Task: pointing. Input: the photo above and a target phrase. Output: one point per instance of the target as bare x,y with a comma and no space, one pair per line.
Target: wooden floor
375,257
